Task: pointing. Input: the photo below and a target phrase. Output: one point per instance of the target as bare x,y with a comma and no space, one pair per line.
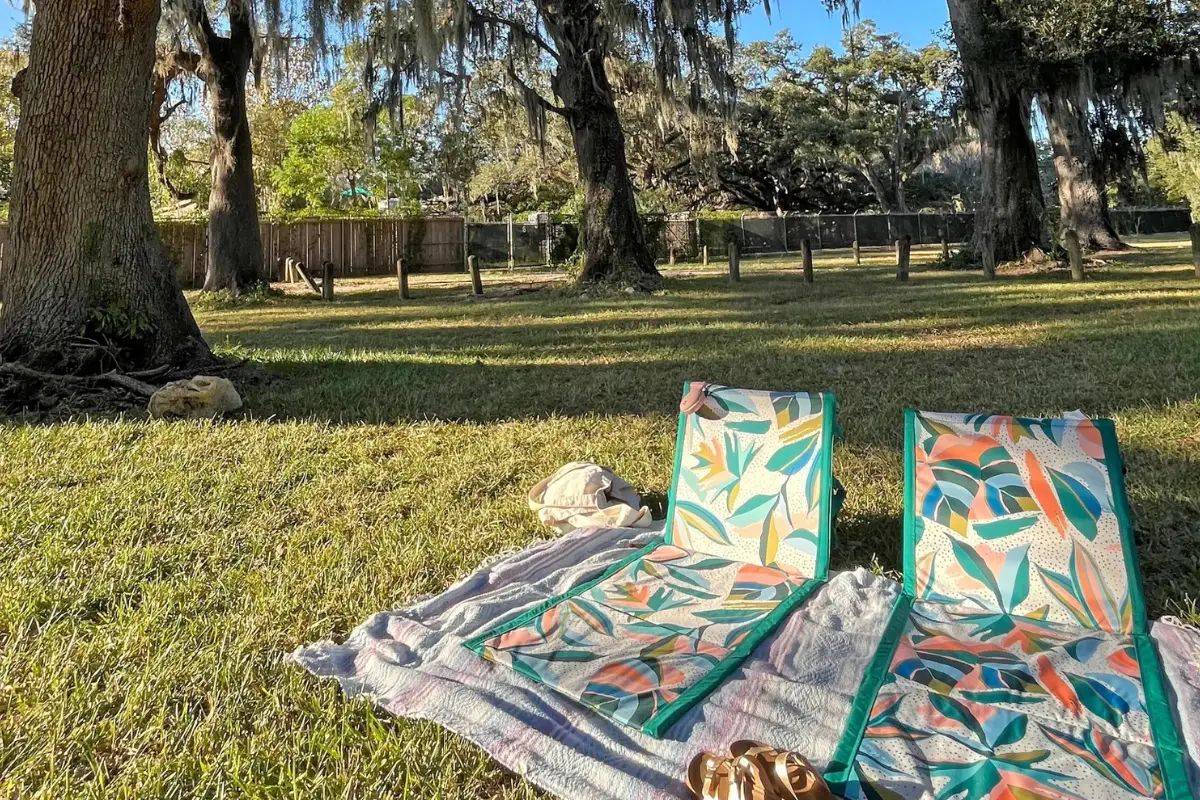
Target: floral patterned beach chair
1017,662
750,516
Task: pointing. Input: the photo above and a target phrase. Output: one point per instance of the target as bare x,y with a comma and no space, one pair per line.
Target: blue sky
916,21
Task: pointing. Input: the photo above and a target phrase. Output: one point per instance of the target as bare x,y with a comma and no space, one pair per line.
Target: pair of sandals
755,771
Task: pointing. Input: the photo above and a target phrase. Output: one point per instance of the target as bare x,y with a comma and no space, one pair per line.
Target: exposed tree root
32,393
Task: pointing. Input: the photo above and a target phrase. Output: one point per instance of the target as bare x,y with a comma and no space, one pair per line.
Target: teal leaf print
592,616
1000,528
1081,507
697,518
754,510
720,463
734,400
1118,765
974,565
1099,699
710,563
1011,733
1086,596
952,709
1010,584
790,407
792,458
749,426
729,615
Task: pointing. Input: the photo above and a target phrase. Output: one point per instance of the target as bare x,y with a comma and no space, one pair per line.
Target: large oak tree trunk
612,239
1080,189
235,259
1011,217
86,261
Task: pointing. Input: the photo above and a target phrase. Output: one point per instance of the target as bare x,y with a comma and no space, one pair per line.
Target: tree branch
200,25
533,93
516,27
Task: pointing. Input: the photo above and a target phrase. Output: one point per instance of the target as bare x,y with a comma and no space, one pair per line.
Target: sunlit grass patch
153,573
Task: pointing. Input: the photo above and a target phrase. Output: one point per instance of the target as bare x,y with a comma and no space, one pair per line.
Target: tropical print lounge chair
1017,662
749,522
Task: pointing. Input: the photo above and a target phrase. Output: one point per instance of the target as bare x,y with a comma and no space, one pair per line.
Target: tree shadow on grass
640,373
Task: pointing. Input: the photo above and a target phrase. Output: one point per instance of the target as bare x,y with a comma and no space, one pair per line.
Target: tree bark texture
1080,188
612,239
1011,215
86,262
235,260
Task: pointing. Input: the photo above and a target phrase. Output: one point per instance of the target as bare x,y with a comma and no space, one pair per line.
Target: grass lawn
152,574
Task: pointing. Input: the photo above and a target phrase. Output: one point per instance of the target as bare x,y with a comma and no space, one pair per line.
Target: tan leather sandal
755,771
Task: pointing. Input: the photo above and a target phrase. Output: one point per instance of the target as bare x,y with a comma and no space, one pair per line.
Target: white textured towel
794,692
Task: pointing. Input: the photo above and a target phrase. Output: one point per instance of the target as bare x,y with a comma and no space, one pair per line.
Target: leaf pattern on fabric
1085,595
995,769
1080,506
1016,676
1005,575
963,479
756,466
720,464
633,642
1065,487
792,406
1111,758
690,517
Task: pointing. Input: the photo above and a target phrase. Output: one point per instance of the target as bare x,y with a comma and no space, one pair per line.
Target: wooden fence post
704,256
1195,231
735,261
476,279
327,282
903,256
1074,254
807,259
857,253
402,278
945,239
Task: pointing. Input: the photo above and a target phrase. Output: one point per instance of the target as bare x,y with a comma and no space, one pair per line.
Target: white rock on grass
202,397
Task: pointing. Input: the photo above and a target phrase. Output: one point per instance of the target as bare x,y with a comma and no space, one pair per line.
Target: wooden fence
441,244
356,247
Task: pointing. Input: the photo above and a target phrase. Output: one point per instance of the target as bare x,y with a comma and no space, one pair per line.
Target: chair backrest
753,479
1024,516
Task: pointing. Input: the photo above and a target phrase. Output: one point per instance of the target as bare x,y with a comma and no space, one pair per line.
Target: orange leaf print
1048,677
1044,494
1089,439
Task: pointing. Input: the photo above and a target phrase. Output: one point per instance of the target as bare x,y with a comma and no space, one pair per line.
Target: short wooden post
857,254
476,279
945,240
806,258
704,254
735,261
1195,231
1074,254
327,282
903,256
402,278
671,257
